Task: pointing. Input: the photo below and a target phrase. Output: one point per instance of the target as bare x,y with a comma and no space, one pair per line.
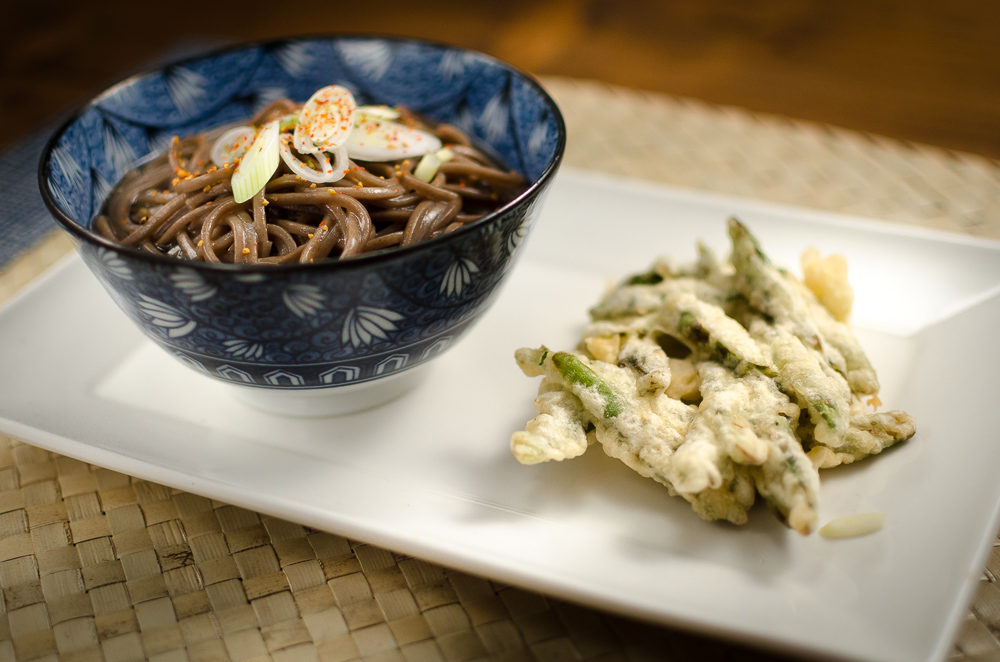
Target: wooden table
917,70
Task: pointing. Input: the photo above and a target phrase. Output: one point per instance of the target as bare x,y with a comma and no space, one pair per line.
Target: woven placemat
96,565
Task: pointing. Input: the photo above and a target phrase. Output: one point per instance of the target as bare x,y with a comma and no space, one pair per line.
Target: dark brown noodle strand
223,243
426,190
322,242
200,182
203,155
170,232
152,224
450,134
198,199
123,197
279,237
384,241
260,224
154,197
491,175
250,253
219,214
482,195
405,200
284,181
187,247
104,228
181,205
419,225
429,217
291,256
357,224
391,215
471,155
175,153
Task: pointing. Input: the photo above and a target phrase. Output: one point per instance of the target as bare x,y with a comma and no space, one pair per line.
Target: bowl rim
89,236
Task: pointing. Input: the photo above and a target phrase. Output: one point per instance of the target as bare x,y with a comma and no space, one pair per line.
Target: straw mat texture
96,565
729,150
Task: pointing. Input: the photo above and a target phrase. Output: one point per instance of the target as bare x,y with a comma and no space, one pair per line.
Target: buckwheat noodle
182,206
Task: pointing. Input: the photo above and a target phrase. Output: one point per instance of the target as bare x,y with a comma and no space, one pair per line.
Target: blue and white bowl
338,327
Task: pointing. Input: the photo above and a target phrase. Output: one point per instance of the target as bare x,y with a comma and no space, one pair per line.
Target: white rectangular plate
431,474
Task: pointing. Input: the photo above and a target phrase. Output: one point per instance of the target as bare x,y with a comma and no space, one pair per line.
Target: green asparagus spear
767,289
803,374
710,333
837,335
574,371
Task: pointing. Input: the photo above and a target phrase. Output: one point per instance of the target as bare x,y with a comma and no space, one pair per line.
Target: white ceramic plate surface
430,474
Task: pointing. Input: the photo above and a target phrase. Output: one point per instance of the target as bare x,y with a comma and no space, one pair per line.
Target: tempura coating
747,421
710,270
633,300
685,382
709,332
638,427
802,374
786,479
857,369
766,287
649,362
718,380
559,431
826,277
869,434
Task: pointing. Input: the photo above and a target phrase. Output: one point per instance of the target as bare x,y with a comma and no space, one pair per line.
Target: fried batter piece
869,434
718,380
642,429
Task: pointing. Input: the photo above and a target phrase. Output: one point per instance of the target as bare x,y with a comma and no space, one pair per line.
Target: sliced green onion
382,140
258,164
289,121
429,164
379,112
324,173
325,120
231,144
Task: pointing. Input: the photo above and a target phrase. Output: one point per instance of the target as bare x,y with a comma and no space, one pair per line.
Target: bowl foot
332,401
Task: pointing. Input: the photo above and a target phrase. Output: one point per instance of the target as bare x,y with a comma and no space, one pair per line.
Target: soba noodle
181,205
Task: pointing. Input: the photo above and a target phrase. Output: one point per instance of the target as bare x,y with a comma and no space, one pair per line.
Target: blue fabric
23,216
